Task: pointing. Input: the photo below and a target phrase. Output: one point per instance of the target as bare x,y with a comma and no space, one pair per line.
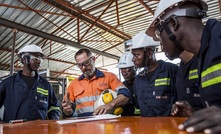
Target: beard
89,73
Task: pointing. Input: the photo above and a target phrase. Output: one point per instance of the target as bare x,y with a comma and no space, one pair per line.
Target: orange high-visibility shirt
84,92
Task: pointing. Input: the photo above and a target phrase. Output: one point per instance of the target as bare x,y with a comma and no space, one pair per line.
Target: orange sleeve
70,89
114,82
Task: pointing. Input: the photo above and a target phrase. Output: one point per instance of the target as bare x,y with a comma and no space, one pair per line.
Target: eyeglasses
85,63
126,70
35,58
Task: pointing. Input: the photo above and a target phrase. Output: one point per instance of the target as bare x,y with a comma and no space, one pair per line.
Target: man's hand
181,108
104,109
207,120
66,104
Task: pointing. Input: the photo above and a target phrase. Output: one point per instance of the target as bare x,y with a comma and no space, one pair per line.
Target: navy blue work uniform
129,109
22,102
156,95
187,83
210,63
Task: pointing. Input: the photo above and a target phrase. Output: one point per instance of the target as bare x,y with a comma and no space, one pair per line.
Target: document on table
88,118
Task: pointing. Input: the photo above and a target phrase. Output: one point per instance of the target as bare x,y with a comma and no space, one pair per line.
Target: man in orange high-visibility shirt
84,91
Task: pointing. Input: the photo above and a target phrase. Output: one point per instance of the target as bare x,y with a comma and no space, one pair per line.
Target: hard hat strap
171,36
144,62
27,58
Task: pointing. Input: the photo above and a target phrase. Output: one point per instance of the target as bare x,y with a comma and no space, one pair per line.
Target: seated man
85,90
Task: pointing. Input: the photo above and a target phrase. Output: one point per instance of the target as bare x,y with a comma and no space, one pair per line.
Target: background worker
187,84
155,85
84,91
128,71
179,26
26,95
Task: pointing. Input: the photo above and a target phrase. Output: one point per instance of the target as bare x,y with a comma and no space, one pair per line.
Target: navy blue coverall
129,109
187,83
156,96
22,102
210,63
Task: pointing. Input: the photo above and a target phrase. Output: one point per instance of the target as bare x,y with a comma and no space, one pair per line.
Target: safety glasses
36,58
126,70
85,63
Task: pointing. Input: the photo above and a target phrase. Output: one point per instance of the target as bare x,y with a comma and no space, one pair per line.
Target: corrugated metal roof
102,25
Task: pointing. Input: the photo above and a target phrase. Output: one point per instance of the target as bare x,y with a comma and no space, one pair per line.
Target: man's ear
174,24
26,59
149,53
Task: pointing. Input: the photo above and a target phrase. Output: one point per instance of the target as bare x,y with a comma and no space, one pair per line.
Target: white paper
88,118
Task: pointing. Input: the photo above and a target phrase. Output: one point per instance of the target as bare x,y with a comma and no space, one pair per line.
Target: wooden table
122,125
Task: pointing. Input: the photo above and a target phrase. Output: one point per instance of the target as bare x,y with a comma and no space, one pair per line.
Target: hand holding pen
66,104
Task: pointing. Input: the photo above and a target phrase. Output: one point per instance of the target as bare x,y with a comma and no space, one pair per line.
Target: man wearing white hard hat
178,24
128,71
154,86
26,95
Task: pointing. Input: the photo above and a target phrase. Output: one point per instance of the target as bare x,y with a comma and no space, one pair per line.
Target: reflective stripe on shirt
85,109
162,82
42,91
86,99
193,74
211,76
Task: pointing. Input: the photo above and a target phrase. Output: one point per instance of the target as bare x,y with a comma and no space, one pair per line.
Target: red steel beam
219,6
47,19
146,7
87,17
117,12
97,19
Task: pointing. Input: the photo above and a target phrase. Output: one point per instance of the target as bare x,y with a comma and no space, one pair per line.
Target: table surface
122,125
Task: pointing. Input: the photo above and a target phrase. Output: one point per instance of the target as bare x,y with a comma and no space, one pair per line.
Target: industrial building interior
61,27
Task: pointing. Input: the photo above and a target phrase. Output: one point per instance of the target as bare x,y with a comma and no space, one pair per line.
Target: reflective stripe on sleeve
162,82
211,76
54,108
193,74
42,91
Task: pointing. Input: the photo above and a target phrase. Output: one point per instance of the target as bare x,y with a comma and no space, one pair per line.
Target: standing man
84,91
178,24
26,95
187,84
155,85
128,71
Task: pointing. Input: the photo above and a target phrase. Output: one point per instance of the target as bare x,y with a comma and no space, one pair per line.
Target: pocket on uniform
42,102
78,92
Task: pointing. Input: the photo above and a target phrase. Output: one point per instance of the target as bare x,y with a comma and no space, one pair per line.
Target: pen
17,121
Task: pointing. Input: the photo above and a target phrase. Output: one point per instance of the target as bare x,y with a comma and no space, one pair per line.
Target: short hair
83,50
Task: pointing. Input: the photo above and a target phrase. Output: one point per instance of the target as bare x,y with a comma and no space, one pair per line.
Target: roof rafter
69,8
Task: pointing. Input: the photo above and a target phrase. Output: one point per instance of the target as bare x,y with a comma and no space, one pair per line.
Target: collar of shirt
18,77
97,74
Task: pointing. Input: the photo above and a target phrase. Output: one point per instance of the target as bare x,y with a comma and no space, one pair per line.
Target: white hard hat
172,8
105,97
141,40
125,60
100,101
30,49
